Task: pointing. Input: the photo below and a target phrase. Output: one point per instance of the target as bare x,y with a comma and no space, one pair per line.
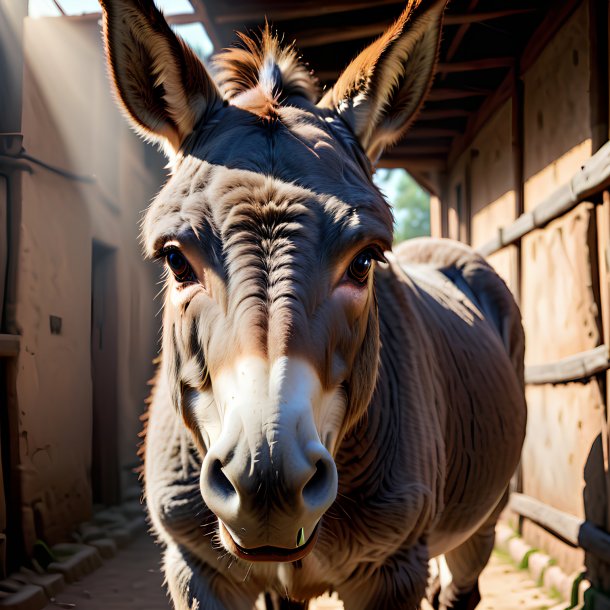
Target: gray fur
420,365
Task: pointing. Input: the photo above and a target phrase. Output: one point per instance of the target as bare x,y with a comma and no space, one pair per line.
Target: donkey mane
260,73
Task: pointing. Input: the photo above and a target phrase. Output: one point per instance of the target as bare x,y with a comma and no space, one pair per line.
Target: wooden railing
593,178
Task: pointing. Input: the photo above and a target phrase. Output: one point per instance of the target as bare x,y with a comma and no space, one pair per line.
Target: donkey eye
180,268
360,267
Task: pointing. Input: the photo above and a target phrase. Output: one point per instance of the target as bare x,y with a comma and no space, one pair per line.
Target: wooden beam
459,35
322,36
487,63
556,16
573,530
59,7
565,525
415,164
405,148
436,114
210,27
598,73
424,179
446,93
470,17
518,156
480,117
593,178
244,13
432,132
183,18
333,35
573,368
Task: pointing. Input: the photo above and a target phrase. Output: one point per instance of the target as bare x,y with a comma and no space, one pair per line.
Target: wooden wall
532,145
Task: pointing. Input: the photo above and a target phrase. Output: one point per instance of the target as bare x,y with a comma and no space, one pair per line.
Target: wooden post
598,73
517,149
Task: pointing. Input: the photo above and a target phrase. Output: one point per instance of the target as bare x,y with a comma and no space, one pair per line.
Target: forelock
260,73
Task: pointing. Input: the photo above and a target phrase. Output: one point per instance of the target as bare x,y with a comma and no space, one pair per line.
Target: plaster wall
70,121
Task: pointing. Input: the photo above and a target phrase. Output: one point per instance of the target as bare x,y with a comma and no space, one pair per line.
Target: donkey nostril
316,489
220,481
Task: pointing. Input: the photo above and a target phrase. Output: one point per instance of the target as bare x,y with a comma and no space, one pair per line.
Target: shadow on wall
595,497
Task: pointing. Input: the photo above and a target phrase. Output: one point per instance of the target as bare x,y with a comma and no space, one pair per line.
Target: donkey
327,415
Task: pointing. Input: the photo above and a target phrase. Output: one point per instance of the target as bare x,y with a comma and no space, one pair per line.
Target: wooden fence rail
593,177
573,368
575,531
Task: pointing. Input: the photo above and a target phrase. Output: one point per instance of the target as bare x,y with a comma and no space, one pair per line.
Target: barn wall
553,271
70,121
557,132
561,317
559,305
484,175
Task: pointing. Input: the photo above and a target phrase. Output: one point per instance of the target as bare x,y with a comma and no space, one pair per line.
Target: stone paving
132,581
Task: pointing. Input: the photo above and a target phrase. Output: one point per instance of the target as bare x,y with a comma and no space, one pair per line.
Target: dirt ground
132,581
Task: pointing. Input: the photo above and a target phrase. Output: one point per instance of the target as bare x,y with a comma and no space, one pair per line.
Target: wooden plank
574,368
245,13
557,15
417,163
603,265
59,7
434,114
575,531
459,35
476,120
183,18
517,112
598,72
409,149
470,17
9,345
593,178
432,132
322,36
559,522
450,93
485,63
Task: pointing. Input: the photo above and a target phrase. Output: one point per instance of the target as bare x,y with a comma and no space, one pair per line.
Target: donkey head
270,228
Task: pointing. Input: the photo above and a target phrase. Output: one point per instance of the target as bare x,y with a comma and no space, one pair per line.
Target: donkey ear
161,84
380,92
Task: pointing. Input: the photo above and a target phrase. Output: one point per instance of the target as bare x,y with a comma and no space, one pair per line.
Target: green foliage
410,202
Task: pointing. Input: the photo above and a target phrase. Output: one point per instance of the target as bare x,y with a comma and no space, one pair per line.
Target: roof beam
321,36
244,13
448,93
183,18
433,132
406,149
487,63
459,35
417,163
470,17
435,114
313,38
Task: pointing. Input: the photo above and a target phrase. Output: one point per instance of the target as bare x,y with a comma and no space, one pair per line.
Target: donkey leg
399,584
460,568
193,585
